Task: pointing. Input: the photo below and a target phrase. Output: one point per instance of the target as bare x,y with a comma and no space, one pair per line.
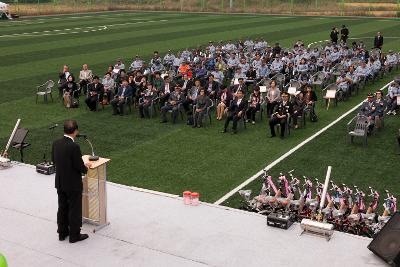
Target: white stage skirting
151,229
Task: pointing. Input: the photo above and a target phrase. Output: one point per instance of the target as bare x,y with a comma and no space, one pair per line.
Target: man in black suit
344,34
282,111
211,87
67,158
95,93
378,41
241,86
236,111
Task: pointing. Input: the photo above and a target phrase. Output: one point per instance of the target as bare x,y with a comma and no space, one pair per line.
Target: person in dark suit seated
147,97
62,78
211,87
202,103
118,103
166,90
95,93
241,86
185,83
378,40
173,103
191,96
281,113
67,158
236,111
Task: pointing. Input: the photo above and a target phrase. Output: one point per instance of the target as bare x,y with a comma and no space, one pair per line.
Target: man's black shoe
62,237
78,238
272,136
234,132
163,121
224,131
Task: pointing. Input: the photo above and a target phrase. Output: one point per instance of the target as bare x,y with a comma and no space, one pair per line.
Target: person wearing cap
393,93
344,34
235,111
175,99
378,40
94,94
368,109
281,114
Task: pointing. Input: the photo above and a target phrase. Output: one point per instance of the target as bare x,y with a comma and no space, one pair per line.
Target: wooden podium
94,196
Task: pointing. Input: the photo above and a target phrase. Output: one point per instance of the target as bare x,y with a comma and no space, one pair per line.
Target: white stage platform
151,229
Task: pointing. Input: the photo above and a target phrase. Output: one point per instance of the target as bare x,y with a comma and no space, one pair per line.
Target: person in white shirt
85,77
137,64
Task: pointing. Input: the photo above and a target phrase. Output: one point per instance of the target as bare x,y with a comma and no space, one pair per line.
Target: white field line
77,30
287,154
355,38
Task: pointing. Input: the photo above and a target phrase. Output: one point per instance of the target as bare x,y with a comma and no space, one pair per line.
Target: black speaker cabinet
386,243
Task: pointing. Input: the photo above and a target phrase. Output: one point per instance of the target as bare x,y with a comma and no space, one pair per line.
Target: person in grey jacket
200,109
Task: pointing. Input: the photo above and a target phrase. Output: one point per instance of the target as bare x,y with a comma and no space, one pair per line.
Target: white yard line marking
287,154
81,29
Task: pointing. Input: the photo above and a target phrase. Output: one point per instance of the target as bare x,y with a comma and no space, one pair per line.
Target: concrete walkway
151,229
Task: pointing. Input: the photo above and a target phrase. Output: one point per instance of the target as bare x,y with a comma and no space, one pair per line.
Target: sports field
174,158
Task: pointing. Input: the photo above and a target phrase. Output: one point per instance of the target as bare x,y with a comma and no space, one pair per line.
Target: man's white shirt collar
69,137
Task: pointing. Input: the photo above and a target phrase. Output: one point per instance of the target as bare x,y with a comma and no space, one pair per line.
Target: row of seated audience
228,76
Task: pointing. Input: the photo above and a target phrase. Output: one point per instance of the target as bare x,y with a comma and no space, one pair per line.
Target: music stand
18,141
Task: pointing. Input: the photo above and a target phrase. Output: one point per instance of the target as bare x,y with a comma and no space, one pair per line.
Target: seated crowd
239,79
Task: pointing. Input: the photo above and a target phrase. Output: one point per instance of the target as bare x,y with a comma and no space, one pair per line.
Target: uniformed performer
282,112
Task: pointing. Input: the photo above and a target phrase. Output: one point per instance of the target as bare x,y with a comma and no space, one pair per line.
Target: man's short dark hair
70,126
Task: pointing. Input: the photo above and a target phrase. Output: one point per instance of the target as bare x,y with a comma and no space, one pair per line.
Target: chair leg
51,96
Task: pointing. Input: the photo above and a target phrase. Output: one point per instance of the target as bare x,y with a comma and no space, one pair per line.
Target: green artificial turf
166,157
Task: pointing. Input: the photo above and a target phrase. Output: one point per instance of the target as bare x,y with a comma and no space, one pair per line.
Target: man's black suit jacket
67,158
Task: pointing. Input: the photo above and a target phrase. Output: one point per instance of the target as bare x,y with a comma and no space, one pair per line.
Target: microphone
53,126
93,157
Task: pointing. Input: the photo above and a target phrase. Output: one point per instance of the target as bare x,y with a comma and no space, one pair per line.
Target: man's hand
88,165
240,113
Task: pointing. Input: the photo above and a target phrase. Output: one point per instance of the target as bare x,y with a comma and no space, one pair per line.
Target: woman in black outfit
70,91
254,105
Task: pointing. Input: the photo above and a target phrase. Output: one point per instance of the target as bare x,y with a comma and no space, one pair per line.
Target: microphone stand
93,157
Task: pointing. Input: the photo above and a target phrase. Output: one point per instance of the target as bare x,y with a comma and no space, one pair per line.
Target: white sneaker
394,112
388,113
